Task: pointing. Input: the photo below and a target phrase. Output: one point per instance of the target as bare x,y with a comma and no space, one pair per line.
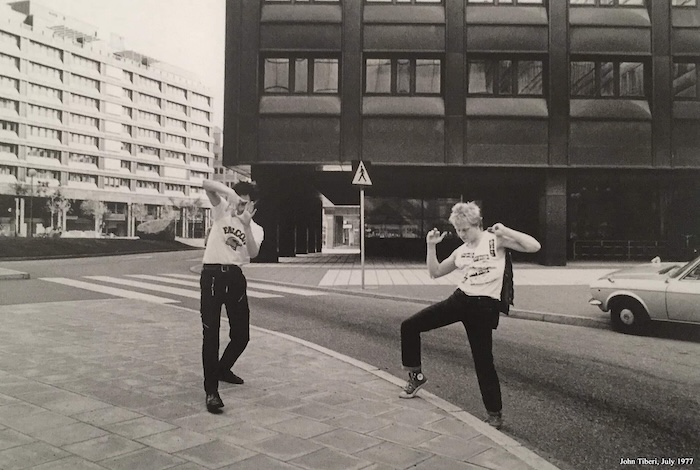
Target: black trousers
222,286
479,315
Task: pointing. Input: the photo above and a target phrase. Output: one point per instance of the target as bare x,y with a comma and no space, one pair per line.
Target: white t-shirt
482,267
227,239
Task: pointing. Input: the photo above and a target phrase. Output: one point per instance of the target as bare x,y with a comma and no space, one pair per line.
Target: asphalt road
582,398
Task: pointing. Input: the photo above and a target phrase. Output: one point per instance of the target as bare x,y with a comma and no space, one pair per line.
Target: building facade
577,121
82,117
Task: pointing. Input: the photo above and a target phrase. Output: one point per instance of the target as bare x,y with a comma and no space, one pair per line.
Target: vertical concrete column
558,82
662,83
268,211
248,97
232,70
64,217
455,82
553,219
351,80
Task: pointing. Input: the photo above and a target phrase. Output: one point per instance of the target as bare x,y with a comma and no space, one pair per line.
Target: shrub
158,229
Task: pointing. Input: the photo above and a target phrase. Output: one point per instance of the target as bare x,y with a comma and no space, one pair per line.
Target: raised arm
216,189
515,240
435,268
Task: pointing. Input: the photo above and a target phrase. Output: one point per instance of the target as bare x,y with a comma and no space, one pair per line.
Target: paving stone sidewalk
116,384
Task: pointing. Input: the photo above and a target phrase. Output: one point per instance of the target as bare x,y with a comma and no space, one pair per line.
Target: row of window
598,3
54,114
54,94
87,121
93,66
109,181
155,102
487,77
92,159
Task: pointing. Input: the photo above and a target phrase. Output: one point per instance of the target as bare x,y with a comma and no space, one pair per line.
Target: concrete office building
577,121
80,112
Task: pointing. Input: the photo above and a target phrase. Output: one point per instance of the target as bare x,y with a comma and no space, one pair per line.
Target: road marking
179,282
254,285
108,290
285,289
170,290
183,276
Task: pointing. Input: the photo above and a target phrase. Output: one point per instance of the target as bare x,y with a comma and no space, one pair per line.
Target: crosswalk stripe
285,289
108,290
169,290
254,285
179,282
182,276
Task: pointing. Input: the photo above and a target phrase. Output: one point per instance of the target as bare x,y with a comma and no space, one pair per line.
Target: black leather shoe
214,403
230,377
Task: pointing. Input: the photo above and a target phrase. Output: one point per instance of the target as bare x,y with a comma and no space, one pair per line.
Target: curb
509,444
546,317
9,275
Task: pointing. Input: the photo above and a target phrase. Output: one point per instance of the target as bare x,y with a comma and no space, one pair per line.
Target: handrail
617,249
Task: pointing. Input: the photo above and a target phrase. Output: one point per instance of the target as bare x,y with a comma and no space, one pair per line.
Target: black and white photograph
349,234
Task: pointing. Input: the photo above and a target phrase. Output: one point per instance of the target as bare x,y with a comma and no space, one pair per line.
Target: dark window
505,77
302,2
607,79
506,2
607,3
403,76
685,80
403,2
300,75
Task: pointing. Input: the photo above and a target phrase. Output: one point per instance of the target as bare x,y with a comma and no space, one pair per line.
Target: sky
186,33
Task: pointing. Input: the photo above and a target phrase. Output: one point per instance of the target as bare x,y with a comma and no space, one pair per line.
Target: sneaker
415,381
214,403
495,419
230,377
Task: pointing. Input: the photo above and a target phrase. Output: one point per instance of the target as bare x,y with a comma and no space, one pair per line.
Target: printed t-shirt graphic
227,242
482,267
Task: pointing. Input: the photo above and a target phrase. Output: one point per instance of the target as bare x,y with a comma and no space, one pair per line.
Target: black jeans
479,315
222,286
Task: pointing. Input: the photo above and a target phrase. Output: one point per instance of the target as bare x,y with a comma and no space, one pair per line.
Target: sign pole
362,179
362,239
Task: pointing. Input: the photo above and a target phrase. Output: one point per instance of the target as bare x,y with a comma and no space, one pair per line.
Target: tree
193,208
139,211
98,210
168,212
58,205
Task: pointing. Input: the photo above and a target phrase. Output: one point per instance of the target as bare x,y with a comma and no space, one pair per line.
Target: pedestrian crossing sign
361,177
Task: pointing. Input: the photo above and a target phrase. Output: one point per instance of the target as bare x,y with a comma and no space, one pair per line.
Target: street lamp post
32,174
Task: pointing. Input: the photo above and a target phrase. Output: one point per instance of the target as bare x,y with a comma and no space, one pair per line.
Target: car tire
629,317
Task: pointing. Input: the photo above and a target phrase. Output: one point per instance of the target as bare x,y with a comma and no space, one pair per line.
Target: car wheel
628,316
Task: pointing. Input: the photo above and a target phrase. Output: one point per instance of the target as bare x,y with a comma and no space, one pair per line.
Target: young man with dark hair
234,239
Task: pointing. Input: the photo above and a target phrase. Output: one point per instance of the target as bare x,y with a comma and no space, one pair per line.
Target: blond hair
468,212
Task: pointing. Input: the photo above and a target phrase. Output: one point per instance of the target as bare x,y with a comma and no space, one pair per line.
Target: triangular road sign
362,176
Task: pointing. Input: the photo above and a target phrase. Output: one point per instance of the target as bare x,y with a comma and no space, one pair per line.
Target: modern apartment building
577,121
80,113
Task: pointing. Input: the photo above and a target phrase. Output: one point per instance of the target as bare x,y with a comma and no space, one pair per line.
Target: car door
683,297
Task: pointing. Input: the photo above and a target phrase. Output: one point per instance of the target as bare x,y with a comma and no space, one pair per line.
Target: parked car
653,291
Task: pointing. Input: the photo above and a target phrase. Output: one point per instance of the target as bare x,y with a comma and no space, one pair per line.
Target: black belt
220,267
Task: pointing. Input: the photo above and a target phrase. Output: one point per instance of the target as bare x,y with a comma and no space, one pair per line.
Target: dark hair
245,188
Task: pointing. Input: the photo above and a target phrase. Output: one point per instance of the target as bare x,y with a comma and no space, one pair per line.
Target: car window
676,271
693,275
